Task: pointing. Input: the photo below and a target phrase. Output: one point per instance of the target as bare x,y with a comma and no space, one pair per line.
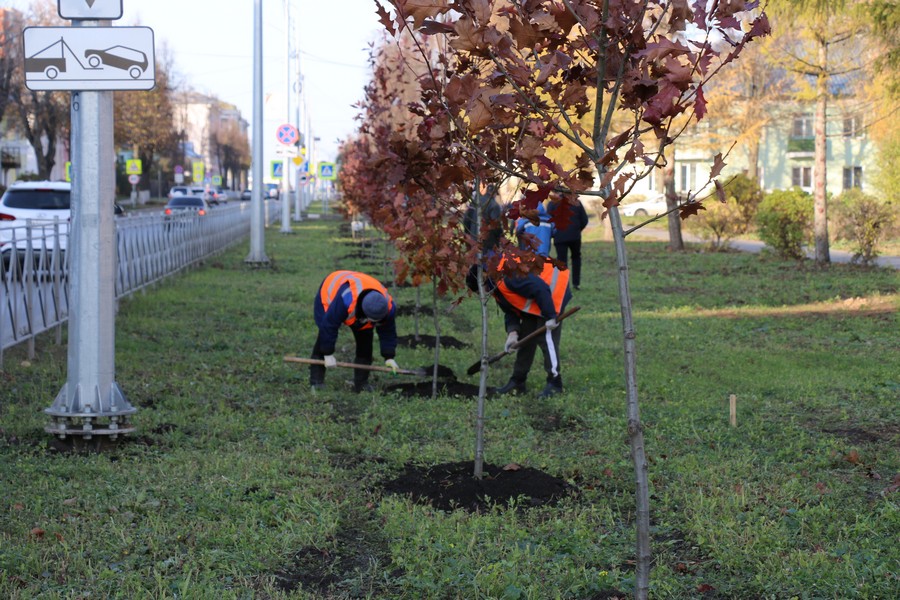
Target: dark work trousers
549,344
364,339
562,254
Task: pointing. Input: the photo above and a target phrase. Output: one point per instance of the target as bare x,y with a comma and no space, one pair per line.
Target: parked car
246,195
181,204
273,190
654,206
217,195
45,203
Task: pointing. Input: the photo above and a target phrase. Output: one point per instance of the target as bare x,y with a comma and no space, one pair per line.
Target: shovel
475,367
314,361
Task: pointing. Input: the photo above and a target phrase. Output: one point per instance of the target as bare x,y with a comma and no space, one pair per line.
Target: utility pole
287,163
257,256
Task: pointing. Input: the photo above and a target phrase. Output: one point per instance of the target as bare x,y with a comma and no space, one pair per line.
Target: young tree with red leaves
525,72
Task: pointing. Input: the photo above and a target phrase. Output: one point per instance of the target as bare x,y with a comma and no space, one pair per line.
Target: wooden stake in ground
732,408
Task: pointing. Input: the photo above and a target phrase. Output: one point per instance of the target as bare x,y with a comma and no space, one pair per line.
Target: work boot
511,386
359,388
551,389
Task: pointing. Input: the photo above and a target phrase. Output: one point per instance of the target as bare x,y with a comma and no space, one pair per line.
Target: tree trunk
820,201
635,429
753,160
437,338
676,242
482,382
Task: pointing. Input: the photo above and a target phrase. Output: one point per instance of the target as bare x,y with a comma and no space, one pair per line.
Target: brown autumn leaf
468,38
720,191
18,506
59,537
512,467
852,457
718,165
70,501
689,209
384,17
38,533
420,10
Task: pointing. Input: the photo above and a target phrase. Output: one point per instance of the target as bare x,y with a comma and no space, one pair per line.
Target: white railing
34,295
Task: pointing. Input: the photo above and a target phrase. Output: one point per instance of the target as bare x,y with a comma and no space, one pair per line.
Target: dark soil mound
427,341
423,389
451,486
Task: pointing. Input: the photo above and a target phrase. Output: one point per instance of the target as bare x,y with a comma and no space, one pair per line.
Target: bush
784,218
864,221
719,223
747,196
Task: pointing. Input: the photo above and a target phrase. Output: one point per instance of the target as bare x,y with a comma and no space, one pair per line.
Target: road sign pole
91,402
257,254
286,168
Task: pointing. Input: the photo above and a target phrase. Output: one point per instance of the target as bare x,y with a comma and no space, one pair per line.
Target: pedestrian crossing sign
277,169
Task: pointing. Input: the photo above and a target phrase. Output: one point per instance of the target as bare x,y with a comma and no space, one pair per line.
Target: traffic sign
217,180
287,134
304,177
327,171
198,171
133,166
89,58
90,9
179,170
134,179
277,169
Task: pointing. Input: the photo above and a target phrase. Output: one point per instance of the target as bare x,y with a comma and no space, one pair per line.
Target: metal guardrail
34,294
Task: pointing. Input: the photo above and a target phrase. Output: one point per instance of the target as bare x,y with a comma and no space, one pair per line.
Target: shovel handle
475,367
316,361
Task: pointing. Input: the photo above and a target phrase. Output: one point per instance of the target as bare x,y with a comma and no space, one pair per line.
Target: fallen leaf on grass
18,506
70,501
38,533
512,467
705,587
852,457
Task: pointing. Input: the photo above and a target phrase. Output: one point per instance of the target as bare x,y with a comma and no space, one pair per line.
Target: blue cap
375,306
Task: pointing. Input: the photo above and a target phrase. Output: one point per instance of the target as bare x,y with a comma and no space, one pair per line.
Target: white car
644,208
45,205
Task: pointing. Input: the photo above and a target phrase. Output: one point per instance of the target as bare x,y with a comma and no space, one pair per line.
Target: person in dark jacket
528,303
568,239
362,303
488,228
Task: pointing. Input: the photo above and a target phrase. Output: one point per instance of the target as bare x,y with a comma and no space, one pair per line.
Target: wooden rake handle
475,367
315,361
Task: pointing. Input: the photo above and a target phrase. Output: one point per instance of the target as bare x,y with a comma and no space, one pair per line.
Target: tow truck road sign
89,58
90,9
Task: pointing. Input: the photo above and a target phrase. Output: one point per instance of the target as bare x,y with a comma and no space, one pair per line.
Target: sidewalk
837,256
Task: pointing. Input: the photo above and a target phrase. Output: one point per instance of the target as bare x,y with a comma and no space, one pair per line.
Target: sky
211,45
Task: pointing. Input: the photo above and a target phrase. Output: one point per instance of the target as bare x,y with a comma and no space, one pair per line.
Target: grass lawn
242,483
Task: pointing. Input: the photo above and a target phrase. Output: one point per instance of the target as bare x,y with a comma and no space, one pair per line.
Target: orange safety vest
557,280
359,282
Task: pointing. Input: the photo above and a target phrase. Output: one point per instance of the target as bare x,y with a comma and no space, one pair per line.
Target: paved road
838,256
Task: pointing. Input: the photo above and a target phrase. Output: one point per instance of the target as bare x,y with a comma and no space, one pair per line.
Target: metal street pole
257,254
286,165
91,402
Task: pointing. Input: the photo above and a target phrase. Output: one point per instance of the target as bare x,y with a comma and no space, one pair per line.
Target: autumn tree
145,121
42,117
521,74
10,42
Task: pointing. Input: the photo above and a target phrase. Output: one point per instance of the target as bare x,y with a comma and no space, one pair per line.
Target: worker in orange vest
362,303
528,303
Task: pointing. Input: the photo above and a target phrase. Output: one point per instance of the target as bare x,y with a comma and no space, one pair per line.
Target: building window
852,177
802,127
685,179
801,177
852,126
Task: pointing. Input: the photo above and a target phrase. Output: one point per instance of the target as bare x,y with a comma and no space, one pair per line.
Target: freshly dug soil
445,388
427,341
452,486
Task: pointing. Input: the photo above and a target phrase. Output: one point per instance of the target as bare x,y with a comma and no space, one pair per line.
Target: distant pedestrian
488,228
568,238
362,303
528,303
535,236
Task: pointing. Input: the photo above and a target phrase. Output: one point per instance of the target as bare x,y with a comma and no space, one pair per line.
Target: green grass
239,480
